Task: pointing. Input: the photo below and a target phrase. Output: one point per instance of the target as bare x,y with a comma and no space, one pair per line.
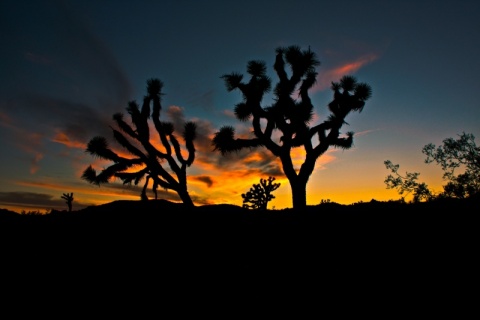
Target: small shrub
260,194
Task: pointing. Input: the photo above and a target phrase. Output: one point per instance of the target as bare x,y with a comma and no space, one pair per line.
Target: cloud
30,143
62,138
35,163
64,90
203,142
35,201
176,116
5,120
229,113
114,189
204,179
325,78
204,100
365,132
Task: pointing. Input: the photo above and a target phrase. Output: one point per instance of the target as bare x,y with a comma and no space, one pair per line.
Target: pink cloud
5,120
365,132
325,78
28,142
34,165
229,113
61,137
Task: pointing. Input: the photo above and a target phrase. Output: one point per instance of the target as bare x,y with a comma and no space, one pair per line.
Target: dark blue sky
68,66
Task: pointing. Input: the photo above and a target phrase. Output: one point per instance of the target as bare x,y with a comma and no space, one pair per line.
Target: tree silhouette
260,194
454,154
146,155
407,184
69,200
290,116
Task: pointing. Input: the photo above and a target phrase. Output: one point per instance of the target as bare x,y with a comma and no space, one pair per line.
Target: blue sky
68,66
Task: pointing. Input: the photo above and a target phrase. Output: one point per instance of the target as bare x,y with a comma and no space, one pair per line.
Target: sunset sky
68,66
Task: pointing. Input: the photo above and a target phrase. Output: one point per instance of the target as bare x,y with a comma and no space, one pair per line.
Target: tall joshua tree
150,160
291,114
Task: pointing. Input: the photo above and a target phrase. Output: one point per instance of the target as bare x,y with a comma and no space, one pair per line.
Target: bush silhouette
260,194
453,154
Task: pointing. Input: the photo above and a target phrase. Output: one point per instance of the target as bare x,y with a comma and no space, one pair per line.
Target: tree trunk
298,183
299,194
185,196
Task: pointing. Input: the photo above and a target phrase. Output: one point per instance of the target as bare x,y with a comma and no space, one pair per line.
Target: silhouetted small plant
260,194
69,200
324,201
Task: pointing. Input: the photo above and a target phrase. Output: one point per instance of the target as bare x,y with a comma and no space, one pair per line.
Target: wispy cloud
208,181
65,93
5,120
35,163
36,201
366,132
63,138
326,77
30,143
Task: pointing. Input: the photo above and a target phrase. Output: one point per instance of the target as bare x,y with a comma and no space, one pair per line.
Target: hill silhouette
225,253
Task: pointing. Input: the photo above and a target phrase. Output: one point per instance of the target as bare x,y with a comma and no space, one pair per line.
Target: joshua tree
260,194
69,199
149,158
289,116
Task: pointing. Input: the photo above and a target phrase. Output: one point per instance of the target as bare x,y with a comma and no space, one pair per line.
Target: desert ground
389,253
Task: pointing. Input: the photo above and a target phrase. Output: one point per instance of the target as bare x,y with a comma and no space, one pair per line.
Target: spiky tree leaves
348,96
135,138
224,141
291,113
260,194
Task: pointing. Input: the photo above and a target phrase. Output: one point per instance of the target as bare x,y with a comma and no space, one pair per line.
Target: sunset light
63,81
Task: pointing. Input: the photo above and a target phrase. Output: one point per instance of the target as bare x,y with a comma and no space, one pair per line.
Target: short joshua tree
69,200
260,194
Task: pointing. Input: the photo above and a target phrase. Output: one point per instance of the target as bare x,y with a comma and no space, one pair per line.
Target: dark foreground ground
129,257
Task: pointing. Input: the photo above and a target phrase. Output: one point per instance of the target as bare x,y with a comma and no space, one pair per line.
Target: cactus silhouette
69,200
288,117
148,157
260,194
